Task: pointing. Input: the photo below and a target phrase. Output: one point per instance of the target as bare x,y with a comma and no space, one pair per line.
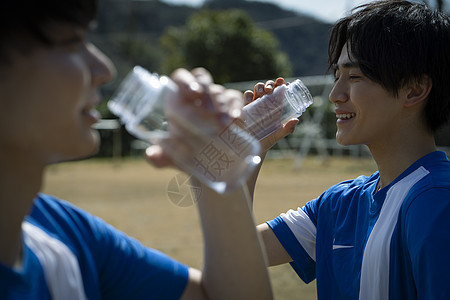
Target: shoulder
348,190
75,226
109,258
437,167
427,205
351,186
426,211
343,196
59,216
82,232
48,203
432,190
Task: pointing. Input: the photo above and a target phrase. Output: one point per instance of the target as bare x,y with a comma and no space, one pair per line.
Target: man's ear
418,90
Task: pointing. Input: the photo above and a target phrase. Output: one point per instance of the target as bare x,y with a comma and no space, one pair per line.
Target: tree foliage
226,42
139,50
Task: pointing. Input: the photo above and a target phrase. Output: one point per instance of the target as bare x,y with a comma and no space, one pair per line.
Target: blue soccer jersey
363,244
70,254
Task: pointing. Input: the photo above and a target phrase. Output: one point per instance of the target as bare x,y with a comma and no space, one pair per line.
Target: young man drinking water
385,236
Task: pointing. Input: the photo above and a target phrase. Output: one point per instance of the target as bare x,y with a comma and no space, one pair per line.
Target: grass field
132,196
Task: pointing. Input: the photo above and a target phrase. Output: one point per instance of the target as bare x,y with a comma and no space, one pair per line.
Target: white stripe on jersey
303,229
60,265
374,282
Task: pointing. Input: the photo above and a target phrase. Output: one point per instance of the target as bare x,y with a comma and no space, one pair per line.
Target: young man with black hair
385,236
50,77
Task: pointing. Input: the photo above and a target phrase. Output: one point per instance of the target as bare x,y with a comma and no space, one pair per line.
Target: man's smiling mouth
345,116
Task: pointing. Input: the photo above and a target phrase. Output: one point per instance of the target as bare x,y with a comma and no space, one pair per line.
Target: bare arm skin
235,265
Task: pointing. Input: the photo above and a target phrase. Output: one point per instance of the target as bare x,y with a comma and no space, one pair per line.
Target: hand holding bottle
189,120
272,109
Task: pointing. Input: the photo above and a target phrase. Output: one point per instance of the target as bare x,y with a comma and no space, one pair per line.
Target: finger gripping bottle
269,113
152,109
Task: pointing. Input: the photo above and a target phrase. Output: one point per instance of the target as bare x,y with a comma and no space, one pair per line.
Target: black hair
398,42
24,19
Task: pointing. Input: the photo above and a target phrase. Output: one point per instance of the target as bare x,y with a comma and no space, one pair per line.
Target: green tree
228,44
140,50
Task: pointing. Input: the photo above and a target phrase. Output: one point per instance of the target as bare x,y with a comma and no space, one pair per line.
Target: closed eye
336,76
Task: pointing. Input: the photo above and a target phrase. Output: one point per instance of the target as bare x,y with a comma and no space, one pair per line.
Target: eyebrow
69,40
346,65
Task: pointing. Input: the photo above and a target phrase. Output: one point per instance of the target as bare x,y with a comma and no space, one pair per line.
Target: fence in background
312,135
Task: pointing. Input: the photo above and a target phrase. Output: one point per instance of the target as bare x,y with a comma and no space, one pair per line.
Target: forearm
251,182
266,144
235,266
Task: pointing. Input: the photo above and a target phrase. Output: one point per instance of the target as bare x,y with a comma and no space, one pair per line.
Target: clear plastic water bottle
150,107
270,112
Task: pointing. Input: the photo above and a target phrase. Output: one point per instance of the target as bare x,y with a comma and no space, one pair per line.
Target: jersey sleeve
427,231
131,271
113,265
296,231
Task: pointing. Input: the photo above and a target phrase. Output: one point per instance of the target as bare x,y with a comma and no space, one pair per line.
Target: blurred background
240,42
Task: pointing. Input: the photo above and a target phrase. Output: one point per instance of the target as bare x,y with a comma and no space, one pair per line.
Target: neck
20,181
395,156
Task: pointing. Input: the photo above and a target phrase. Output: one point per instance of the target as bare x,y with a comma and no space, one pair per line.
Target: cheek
368,103
72,89
65,101
42,106
67,76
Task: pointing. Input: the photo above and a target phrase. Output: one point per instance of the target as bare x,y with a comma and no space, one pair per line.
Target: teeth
345,116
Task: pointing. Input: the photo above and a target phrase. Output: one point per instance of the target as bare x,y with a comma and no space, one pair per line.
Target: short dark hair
397,42
20,19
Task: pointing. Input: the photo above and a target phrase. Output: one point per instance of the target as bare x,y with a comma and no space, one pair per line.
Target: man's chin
88,150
